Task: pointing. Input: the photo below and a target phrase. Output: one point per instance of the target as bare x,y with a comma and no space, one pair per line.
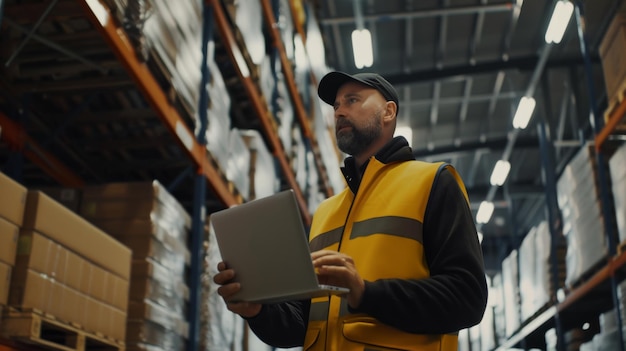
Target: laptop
265,242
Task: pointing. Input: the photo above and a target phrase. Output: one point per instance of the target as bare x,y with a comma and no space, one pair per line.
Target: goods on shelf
617,168
613,55
584,225
511,292
220,329
238,164
263,177
13,200
67,268
536,277
607,337
147,218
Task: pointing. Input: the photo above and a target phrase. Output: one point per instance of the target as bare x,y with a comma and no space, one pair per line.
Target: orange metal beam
617,115
115,36
270,19
257,102
16,137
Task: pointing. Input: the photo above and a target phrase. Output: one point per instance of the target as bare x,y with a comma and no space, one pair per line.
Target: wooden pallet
46,332
613,104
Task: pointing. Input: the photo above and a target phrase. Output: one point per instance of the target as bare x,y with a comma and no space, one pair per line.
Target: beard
357,140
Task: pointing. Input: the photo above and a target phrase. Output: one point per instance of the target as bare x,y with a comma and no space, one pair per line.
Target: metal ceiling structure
461,67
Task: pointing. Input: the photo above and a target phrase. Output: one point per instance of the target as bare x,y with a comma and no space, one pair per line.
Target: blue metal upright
199,196
554,217
598,124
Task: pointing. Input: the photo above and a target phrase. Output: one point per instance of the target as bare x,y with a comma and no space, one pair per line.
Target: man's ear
390,111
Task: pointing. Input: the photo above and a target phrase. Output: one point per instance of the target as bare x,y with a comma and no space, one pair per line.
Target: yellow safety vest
381,229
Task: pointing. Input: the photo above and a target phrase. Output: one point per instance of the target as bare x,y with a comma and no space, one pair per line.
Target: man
401,237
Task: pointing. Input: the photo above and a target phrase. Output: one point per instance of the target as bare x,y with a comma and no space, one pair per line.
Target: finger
322,253
224,276
228,290
221,266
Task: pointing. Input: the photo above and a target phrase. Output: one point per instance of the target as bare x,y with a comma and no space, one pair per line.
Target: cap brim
330,84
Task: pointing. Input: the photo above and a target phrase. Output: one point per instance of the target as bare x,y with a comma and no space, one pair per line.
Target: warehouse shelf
588,299
15,136
270,20
119,42
258,104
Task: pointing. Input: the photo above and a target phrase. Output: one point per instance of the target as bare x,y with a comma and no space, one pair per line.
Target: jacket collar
396,150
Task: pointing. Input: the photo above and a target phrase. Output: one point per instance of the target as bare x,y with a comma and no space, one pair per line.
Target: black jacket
446,303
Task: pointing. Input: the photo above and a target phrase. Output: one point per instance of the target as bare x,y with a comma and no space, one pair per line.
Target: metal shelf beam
259,105
147,84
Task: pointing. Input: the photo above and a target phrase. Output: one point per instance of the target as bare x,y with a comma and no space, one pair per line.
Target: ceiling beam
383,17
522,63
495,145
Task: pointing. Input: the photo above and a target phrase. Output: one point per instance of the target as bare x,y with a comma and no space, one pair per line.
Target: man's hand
335,268
228,288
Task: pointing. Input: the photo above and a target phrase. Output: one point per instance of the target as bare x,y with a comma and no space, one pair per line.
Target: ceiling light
558,23
484,212
480,237
500,172
524,112
362,48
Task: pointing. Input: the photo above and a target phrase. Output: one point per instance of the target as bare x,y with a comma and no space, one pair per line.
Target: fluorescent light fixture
524,112
362,48
406,132
480,237
484,212
558,23
500,172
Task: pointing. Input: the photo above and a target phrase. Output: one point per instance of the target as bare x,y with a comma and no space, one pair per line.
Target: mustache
342,123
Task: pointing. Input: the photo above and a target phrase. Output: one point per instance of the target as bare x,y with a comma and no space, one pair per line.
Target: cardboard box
68,197
613,54
135,192
8,241
52,219
13,200
171,236
44,256
150,269
68,305
5,282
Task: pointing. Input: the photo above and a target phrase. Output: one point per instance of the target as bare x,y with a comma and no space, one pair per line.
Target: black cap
330,84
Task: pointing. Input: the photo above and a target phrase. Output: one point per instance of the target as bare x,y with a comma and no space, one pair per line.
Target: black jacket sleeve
455,295
282,325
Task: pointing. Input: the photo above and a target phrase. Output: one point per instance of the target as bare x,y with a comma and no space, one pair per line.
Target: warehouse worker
401,237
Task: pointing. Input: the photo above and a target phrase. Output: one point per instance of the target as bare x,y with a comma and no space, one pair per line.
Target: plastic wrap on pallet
324,129
584,223
135,14
221,328
511,292
249,20
617,168
238,164
263,171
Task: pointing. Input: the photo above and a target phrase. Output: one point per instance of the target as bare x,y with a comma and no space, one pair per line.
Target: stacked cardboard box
151,222
11,219
68,268
584,225
613,57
